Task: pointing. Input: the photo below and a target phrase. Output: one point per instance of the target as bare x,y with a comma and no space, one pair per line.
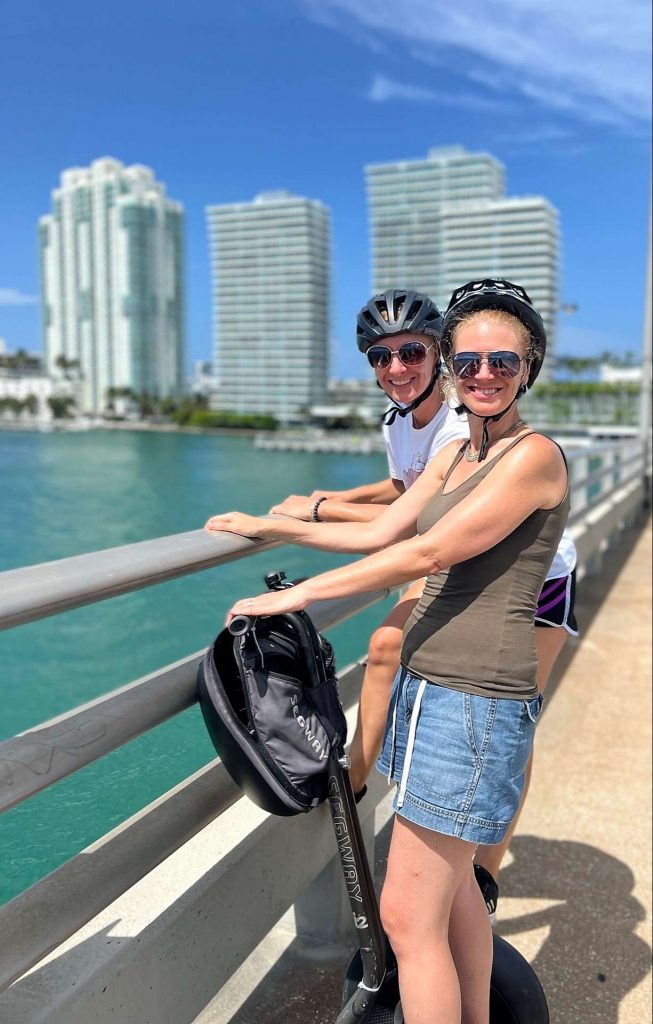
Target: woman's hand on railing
296,506
236,522
277,602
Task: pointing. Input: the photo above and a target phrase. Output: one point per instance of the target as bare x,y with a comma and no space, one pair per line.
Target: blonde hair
532,349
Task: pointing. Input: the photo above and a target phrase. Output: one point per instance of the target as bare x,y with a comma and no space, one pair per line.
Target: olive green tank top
472,629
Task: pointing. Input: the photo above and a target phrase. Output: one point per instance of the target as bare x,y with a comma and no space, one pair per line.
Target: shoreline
83,427
306,439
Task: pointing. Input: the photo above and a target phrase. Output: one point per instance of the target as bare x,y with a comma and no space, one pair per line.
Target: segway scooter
269,697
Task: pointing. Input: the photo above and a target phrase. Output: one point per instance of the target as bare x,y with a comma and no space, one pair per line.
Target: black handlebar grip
239,625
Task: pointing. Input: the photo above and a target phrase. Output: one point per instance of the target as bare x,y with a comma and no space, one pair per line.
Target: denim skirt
458,759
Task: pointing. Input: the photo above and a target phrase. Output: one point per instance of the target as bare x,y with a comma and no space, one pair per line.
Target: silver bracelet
316,504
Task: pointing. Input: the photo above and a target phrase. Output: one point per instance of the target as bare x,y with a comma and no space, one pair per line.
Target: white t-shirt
564,560
410,449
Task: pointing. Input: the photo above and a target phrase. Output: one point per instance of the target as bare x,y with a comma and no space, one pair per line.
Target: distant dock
352,444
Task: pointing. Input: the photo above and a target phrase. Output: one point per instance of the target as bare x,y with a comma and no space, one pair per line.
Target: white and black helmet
496,294
397,311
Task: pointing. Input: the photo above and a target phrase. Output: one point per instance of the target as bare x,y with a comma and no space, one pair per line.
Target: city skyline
226,106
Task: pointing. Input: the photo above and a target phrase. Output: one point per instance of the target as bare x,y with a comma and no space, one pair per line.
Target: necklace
473,456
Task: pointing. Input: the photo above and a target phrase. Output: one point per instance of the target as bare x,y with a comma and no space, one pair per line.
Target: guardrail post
579,474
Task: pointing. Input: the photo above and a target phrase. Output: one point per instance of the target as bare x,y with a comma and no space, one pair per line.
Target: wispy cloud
537,135
14,297
590,59
383,89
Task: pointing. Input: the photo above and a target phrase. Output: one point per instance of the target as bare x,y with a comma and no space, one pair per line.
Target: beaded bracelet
316,504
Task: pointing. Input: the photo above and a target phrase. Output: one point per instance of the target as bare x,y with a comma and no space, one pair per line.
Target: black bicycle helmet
496,294
399,311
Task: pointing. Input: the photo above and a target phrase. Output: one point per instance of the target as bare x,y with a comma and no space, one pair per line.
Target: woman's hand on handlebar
236,522
290,599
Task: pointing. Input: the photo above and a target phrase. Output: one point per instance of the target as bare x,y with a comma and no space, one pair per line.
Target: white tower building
444,220
405,201
112,281
513,238
270,262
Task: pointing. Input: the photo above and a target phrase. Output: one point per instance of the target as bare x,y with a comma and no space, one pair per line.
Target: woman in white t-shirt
399,333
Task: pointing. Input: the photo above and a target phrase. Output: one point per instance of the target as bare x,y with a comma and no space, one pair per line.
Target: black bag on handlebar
270,702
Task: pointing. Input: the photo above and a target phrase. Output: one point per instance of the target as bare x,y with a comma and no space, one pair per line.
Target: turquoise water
65,494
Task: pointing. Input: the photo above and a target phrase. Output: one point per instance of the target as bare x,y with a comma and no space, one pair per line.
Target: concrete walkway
576,887
576,898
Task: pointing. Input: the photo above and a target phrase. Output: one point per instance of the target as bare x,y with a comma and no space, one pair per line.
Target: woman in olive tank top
482,522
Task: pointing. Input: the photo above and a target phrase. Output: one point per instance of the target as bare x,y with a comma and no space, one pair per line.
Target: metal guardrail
47,753
37,591
46,914
52,910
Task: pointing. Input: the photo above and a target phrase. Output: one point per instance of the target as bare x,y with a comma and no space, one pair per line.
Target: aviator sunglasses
411,353
502,364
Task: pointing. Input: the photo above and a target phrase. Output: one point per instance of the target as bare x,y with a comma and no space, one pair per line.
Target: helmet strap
390,415
485,438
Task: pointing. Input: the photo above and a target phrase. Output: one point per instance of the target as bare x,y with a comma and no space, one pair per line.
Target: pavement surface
576,885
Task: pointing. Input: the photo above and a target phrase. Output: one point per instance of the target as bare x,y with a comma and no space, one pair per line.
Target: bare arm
383,492
357,505
333,511
395,522
533,475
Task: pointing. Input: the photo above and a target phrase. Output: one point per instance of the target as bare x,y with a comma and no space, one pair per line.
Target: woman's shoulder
534,444
536,455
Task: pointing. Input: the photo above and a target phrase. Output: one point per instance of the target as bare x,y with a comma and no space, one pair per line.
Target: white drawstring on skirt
411,743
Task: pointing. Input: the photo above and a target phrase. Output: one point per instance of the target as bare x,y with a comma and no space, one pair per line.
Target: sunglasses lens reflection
501,364
413,353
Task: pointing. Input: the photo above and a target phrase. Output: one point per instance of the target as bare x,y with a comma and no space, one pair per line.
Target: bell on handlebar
275,580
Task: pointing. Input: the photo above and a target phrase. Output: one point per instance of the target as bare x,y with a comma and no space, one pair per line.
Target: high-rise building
270,263
112,282
515,238
405,201
441,221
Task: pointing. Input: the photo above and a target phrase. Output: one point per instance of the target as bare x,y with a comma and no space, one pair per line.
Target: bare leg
470,940
548,644
437,924
382,665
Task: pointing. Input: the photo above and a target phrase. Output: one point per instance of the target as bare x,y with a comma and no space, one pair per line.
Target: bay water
64,494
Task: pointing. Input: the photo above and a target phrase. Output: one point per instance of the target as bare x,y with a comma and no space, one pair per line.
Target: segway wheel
516,995
383,1005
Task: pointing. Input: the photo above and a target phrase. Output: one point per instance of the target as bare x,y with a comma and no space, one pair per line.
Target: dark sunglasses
502,364
411,353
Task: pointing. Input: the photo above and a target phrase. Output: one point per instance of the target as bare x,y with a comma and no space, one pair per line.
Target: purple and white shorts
555,605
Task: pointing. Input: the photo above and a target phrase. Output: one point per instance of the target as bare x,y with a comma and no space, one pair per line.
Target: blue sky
225,100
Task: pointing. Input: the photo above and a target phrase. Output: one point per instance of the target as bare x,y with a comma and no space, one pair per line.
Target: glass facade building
405,201
443,220
270,262
112,282
515,238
